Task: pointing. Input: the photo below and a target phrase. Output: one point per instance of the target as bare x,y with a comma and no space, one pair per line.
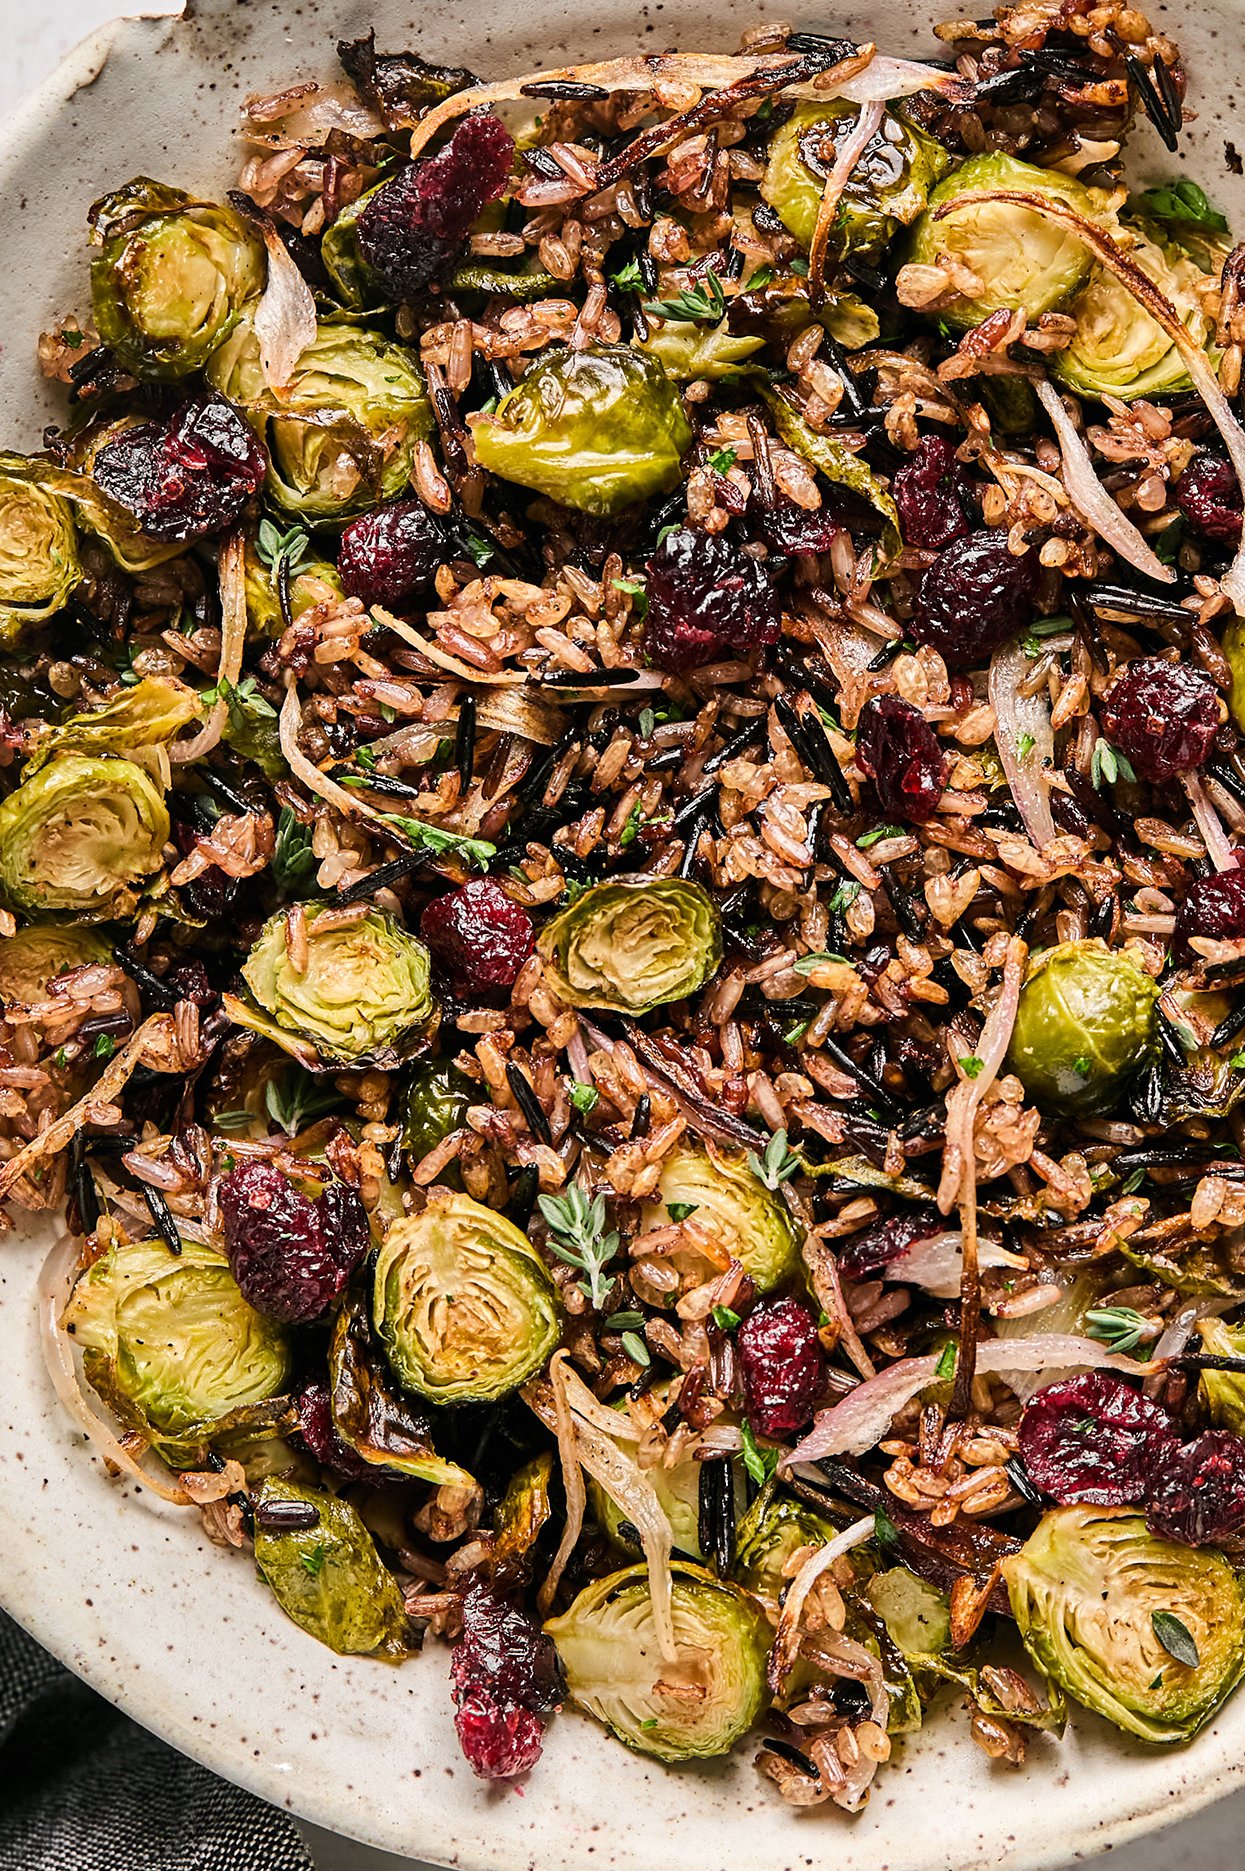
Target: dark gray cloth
82,1788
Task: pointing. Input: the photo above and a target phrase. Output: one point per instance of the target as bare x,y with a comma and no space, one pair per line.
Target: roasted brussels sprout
599,429
522,1515
916,1613
633,944
1023,261
722,1195
1199,1269
1085,1026
38,550
770,1532
80,836
1094,1593
462,1303
32,959
433,1104
888,187
352,277
314,582
170,277
686,351
363,996
169,1340
1223,1392
135,722
1234,651
1118,350
678,1492
342,436
607,1642
380,1426
322,1567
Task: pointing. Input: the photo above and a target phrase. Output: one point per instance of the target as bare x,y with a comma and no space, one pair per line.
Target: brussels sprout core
633,944
1084,1027
462,1302
38,552
79,835
734,1206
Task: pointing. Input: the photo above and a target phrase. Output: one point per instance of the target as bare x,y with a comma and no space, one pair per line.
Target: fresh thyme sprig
777,1163
578,1236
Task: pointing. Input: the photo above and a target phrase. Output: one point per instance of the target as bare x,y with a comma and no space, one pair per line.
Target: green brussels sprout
633,944
773,1528
38,550
1199,1269
137,720
79,836
839,465
434,1103
172,1338
170,277
686,350
328,1577
1234,650
722,1195
352,277
916,1613
607,1642
315,581
363,998
1118,350
32,959
1084,1027
1223,1392
342,435
1090,1590
93,510
598,429
368,1414
462,1303
1024,261
887,189
678,1493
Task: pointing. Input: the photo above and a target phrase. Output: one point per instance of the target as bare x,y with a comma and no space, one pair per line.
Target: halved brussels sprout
722,1195
170,277
774,1528
171,1336
380,1426
363,997
1223,1392
1090,1590
678,1493
695,1707
352,277
38,550
31,960
888,187
1024,261
633,944
79,836
328,1576
463,1305
686,351
1084,1027
1118,350
342,436
1234,651
598,429
148,715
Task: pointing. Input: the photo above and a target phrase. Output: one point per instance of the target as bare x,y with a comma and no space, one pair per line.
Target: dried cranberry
498,1739
1162,716
1092,1438
781,1360
320,1437
412,229
290,1256
900,752
387,556
706,599
975,596
189,981
1197,1494
502,1650
786,528
929,489
1208,495
1213,907
478,937
873,1249
188,477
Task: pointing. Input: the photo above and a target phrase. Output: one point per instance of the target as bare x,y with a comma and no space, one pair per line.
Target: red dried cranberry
188,477
387,556
1092,1438
975,596
189,980
290,1256
786,528
413,228
320,1437
1213,907
781,1360
707,599
1197,1494
502,1650
1162,716
900,752
929,489
498,1739
1210,499
478,937
873,1249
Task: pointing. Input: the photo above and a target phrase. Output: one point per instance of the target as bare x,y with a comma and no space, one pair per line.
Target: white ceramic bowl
127,1592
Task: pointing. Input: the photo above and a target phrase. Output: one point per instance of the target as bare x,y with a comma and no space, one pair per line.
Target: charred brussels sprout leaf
1085,1026
770,1532
364,996
840,466
687,350
720,1193
633,944
599,429
32,959
887,189
342,436
521,1517
1118,350
328,1576
368,1414
1085,1590
1199,1269
170,277
38,550
1023,261
607,1642
462,1303
80,836
134,723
